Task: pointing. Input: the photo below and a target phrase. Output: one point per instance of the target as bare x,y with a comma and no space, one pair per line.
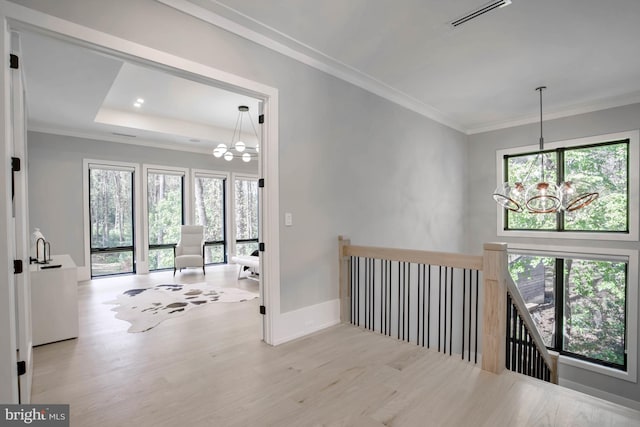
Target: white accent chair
189,252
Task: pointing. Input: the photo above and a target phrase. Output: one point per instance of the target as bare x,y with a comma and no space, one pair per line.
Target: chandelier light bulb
246,157
240,146
219,150
228,156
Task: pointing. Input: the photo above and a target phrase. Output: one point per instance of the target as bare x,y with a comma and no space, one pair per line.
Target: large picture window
210,204
165,215
608,163
246,215
111,220
583,302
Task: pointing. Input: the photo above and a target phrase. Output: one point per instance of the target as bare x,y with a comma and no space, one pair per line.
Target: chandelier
237,148
543,196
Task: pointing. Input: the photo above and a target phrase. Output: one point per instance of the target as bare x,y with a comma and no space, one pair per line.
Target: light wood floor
209,368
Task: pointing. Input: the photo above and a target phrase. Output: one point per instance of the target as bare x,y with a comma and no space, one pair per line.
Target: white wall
350,162
481,209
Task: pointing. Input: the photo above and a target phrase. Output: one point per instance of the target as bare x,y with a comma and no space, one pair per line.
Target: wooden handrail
550,358
445,259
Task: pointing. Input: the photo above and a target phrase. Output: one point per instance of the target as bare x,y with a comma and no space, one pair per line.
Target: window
111,220
608,162
210,202
584,304
246,214
165,215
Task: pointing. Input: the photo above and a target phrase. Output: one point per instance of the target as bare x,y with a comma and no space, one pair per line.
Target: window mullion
560,179
559,297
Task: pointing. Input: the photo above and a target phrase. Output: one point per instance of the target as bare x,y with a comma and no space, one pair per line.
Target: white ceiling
478,76
75,91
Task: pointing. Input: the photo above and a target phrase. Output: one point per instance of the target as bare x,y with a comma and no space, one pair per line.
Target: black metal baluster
464,302
418,309
423,299
470,319
389,274
351,282
451,313
429,310
358,289
444,343
399,282
507,357
439,303
383,296
408,302
476,331
372,277
514,335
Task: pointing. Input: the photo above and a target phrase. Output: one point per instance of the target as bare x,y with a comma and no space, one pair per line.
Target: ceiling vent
123,134
480,11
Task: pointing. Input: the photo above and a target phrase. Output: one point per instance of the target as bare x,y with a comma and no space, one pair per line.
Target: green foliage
594,305
603,167
246,207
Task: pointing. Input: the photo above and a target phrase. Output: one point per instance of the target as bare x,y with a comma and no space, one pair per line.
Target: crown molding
567,111
270,38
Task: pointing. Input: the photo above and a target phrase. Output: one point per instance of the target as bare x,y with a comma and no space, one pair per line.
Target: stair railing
454,303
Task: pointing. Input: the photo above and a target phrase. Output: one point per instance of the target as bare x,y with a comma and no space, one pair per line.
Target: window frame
232,202
631,301
226,176
633,186
87,163
186,203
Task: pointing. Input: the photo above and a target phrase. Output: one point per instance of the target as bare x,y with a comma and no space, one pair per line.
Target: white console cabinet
54,300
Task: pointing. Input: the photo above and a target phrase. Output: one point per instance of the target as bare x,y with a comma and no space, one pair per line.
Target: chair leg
204,272
174,272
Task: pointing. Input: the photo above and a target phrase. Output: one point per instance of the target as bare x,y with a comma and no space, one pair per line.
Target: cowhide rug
145,308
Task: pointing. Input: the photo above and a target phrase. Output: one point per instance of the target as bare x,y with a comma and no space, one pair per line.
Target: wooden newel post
345,292
494,272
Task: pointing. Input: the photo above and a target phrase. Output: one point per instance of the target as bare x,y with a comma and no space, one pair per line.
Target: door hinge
263,309
15,164
22,367
13,61
17,266
261,183
261,118
261,247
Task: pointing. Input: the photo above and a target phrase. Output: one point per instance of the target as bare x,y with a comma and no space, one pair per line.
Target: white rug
145,308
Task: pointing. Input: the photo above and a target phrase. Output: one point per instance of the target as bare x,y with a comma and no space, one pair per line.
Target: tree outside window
578,305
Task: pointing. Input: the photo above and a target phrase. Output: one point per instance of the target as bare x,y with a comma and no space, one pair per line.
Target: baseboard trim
305,321
629,403
84,273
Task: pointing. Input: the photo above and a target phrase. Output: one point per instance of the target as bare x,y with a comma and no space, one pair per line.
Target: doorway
17,19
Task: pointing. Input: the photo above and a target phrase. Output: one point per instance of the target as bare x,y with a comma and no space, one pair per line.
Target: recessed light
140,101
137,104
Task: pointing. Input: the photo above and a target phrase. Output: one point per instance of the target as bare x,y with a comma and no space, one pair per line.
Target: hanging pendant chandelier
238,148
543,196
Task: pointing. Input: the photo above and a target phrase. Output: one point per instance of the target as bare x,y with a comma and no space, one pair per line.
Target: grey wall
55,181
350,162
481,210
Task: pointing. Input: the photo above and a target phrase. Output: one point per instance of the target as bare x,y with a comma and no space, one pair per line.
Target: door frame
17,17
